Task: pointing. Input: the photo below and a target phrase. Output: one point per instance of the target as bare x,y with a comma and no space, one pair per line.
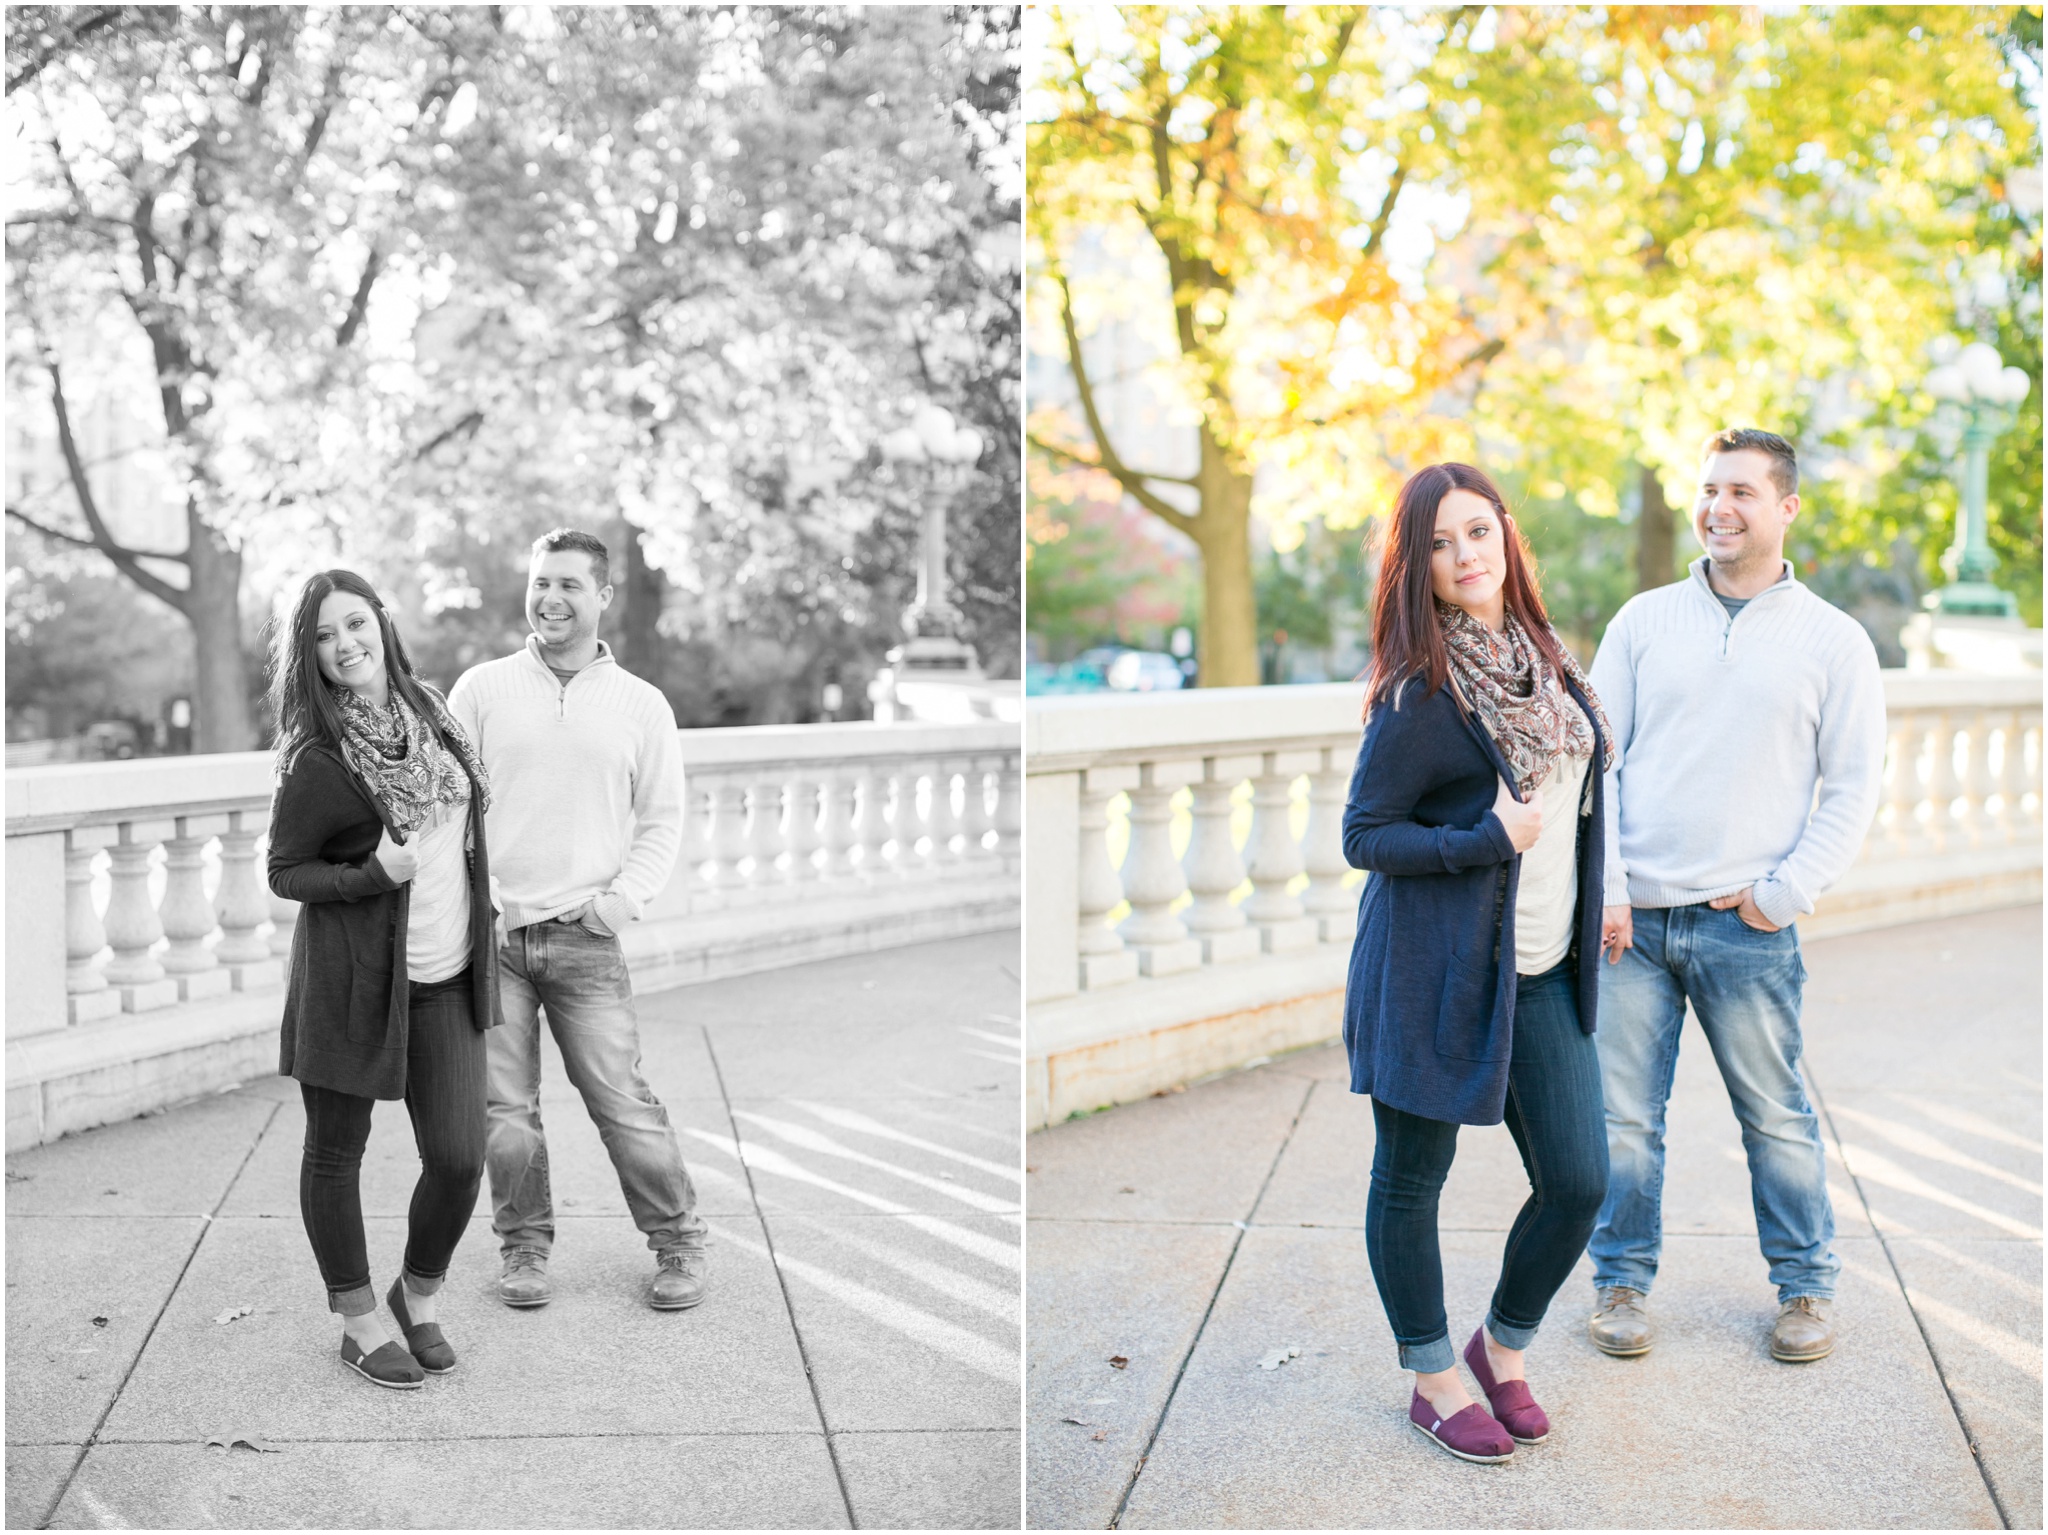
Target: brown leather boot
1804,1331
1620,1326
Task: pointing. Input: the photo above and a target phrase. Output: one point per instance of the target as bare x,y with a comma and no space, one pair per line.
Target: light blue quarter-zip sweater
1723,729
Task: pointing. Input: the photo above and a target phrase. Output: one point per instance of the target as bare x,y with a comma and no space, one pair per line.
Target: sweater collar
1788,581
604,657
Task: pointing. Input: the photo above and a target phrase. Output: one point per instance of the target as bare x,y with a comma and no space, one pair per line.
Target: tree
202,168
1694,217
1263,152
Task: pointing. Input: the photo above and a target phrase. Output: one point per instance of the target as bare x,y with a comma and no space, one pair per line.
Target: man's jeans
580,978
1744,986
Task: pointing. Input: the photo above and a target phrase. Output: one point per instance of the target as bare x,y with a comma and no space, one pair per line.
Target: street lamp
1976,379
936,453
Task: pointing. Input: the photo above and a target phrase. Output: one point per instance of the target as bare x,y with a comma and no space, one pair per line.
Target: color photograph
1532,653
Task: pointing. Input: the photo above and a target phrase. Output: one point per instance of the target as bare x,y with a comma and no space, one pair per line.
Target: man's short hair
1784,469
557,539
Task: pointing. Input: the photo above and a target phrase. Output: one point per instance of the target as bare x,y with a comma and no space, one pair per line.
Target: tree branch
86,543
1380,220
360,304
468,424
1068,455
61,44
1112,465
102,537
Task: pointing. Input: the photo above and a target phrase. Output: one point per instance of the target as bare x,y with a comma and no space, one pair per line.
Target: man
1732,695
584,825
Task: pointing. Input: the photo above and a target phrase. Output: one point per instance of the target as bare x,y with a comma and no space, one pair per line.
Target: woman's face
1468,556
349,646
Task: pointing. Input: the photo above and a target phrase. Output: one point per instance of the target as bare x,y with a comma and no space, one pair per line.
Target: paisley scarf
401,763
1519,697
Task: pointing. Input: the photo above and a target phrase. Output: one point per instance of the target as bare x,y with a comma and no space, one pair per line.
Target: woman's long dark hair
300,700
1406,638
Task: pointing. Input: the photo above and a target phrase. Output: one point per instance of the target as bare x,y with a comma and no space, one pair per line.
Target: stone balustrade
1190,907
146,952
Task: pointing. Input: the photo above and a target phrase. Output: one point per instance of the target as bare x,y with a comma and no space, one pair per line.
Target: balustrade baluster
804,839
88,995
949,824
187,917
1104,959
1214,871
1332,906
873,825
838,828
2012,776
1009,812
1943,785
980,810
1902,783
240,905
729,834
764,832
2030,756
907,819
132,928
1979,823
699,815
1153,880
1275,860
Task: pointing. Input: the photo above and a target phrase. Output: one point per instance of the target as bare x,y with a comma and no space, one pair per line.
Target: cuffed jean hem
1792,1293
423,1284
1429,1358
360,1301
1507,1335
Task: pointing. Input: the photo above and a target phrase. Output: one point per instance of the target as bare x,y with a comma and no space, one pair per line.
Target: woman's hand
1617,931
1523,822
399,862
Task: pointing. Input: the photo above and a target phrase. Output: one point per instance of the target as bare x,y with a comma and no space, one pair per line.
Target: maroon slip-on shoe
1510,1399
1468,1433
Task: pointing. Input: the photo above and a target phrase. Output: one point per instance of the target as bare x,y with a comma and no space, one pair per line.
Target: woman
378,828
1477,805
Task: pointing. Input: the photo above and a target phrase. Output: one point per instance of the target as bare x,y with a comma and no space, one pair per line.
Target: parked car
1145,671
111,740
1042,678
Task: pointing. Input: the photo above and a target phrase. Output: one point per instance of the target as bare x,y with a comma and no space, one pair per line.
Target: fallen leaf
229,1441
1118,1361
1280,1356
1127,1190
1099,1435
105,1192
99,1321
15,1177
1080,1422
234,1313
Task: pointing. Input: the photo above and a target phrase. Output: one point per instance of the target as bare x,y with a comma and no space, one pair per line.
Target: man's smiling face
1740,515
563,599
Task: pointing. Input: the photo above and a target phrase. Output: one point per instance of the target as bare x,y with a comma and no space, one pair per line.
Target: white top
437,917
1548,894
1723,728
586,785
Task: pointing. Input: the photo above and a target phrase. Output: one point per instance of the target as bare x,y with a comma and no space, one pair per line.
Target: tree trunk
221,718
1229,650
1656,534
637,639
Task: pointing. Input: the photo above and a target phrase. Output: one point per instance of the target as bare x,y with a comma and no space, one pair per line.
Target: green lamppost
1988,392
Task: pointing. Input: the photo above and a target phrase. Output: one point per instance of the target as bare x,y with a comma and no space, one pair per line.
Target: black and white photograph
514,783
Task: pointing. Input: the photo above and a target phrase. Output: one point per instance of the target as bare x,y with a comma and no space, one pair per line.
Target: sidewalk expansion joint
1123,1503
206,1224
1899,1278
732,1124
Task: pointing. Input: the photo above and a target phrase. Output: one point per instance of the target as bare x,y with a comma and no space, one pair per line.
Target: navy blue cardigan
1429,1003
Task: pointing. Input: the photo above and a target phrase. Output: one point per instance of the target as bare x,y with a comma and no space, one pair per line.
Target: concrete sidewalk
1191,1235
854,1363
